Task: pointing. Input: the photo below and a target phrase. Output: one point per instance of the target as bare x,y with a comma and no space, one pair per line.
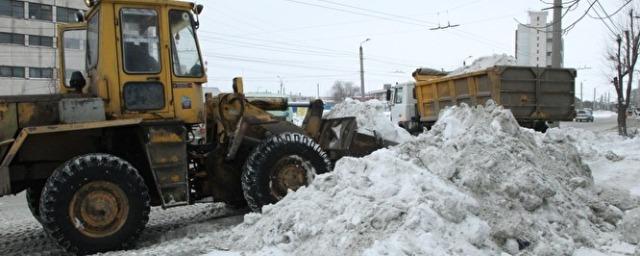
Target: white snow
604,114
485,62
476,184
614,160
372,119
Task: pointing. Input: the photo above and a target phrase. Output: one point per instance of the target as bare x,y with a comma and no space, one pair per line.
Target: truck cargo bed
531,93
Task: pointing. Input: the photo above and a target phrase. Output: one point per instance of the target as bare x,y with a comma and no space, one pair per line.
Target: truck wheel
94,203
33,199
282,162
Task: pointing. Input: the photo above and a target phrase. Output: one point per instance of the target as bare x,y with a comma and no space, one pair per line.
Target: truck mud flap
166,150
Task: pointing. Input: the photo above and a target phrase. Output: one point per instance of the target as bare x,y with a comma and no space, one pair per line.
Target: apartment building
534,41
28,44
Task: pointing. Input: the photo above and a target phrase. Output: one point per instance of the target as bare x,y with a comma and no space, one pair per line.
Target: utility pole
362,68
581,98
556,48
281,86
594,99
318,91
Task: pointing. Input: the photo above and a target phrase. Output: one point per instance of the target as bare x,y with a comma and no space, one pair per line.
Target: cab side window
140,40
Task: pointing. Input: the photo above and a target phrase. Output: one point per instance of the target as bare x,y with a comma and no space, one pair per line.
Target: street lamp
362,68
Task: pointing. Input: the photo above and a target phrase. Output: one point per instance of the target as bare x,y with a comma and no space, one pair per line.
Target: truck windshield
74,53
398,97
184,47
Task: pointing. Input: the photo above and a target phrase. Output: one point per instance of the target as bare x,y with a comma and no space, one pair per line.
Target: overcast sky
309,42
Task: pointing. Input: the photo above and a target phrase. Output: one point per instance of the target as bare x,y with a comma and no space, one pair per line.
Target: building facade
28,44
534,41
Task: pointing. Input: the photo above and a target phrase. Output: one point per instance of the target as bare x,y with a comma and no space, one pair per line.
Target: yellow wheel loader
118,138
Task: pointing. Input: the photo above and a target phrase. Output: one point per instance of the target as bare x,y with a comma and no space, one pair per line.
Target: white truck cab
403,105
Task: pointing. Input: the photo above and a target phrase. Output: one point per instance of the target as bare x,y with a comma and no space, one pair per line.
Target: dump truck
118,137
538,97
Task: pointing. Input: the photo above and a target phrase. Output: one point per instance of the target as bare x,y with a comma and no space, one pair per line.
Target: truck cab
403,105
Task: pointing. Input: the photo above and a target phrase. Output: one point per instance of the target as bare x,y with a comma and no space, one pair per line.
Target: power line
608,16
604,20
374,11
354,12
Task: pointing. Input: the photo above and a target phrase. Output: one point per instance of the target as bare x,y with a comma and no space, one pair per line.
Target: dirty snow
371,119
476,184
485,62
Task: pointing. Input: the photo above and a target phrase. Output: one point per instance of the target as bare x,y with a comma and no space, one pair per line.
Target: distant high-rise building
28,44
534,41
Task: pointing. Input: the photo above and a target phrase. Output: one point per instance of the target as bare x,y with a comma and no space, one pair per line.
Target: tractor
119,136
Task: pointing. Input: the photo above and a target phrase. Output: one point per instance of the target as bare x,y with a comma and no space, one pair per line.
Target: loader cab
141,57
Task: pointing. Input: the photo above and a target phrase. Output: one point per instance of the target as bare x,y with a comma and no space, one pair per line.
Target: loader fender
15,145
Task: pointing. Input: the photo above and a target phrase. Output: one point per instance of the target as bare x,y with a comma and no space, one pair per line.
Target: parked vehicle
538,97
584,115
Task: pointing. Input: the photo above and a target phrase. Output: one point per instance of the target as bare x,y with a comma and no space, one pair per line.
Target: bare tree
342,90
624,58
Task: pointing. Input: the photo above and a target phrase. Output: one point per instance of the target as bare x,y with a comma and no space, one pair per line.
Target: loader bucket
339,138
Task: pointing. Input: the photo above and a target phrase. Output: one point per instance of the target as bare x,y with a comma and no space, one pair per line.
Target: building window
549,54
65,14
11,38
12,8
41,41
40,12
9,71
40,73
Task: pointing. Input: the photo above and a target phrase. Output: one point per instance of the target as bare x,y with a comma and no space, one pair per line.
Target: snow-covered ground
476,184
604,114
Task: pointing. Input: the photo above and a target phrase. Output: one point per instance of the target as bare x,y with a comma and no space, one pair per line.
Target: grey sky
306,44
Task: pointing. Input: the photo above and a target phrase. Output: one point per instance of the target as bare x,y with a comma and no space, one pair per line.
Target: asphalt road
21,234
608,124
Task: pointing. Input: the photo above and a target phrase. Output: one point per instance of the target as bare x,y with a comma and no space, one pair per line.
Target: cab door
71,53
187,71
145,85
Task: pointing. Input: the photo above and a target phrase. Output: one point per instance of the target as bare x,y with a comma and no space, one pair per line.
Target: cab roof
169,3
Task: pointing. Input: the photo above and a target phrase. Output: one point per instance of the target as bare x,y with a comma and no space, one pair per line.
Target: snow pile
485,62
476,184
613,159
371,119
604,114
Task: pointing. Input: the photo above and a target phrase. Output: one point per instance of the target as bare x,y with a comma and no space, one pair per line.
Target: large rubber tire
260,167
33,194
83,183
